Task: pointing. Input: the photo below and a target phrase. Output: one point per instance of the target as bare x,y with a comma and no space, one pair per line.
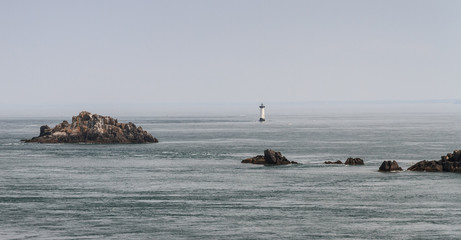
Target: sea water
191,185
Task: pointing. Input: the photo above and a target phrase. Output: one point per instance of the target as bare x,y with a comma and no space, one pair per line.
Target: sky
148,56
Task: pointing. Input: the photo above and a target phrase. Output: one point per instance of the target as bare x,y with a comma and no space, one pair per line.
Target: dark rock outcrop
45,131
449,163
427,166
354,161
255,160
93,128
330,162
388,166
270,157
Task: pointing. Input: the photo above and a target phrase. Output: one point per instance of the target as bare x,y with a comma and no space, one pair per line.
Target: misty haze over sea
231,109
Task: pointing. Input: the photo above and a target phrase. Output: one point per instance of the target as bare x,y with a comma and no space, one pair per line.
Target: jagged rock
354,161
93,128
449,163
388,166
330,162
45,130
270,157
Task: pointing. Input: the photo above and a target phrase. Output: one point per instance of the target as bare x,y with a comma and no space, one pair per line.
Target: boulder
330,162
93,128
354,161
388,166
449,163
270,157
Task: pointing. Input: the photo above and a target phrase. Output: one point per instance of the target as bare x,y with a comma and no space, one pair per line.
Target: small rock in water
388,166
449,163
330,162
270,157
354,161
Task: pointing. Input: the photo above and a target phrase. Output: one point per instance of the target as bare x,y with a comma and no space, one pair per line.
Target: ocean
192,184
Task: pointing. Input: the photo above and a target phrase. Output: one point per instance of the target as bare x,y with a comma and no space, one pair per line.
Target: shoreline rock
449,163
389,166
354,161
93,128
270,157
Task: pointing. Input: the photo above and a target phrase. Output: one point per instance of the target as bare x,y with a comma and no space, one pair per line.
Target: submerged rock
270,157
449,163
330,162
93,128
388,166
354,161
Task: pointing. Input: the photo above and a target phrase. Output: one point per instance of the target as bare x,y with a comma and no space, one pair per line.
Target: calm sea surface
191,185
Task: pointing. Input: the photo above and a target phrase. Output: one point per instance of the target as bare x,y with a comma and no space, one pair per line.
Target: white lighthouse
262,118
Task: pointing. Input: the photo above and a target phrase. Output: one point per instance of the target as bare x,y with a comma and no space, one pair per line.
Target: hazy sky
79,53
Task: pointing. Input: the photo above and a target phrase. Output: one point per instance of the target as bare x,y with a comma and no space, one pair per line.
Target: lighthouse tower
262,118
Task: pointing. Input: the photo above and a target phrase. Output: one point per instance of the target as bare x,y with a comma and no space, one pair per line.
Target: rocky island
93,128
270,157
449,163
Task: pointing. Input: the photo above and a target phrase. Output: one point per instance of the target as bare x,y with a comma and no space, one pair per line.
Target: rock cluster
270,157
93,128
354,161
330,162
449,163
388,166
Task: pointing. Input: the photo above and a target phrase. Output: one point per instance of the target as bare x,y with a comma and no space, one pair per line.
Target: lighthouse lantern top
262,106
